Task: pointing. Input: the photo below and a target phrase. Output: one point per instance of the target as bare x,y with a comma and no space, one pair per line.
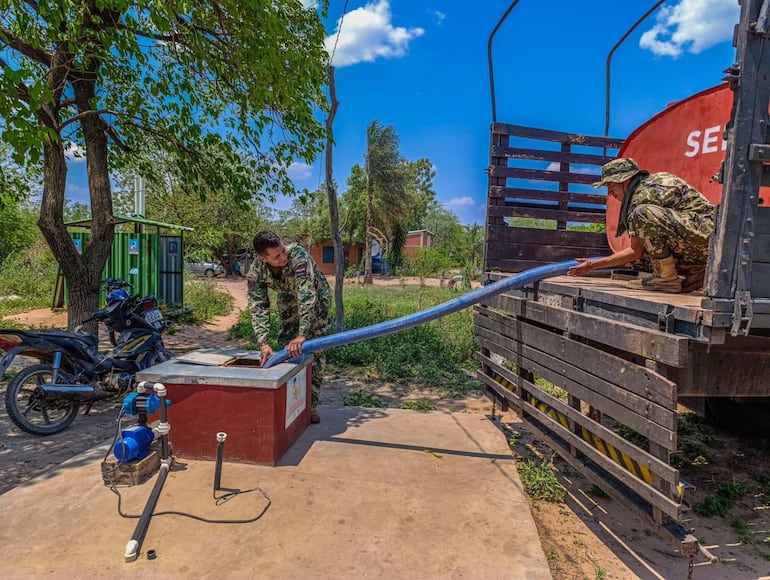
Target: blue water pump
134,443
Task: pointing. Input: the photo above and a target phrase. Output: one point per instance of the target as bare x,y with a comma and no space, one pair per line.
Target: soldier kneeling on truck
666,218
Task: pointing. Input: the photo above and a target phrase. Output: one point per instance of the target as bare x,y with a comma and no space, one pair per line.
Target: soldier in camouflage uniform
304,299
666,218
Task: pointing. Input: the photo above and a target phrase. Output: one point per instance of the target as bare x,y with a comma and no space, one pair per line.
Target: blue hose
391,326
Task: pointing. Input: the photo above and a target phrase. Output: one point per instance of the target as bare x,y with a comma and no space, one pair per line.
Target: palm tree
385,182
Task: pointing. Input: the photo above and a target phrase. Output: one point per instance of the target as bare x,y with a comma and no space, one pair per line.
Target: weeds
360,398
420,405
540,480
726,495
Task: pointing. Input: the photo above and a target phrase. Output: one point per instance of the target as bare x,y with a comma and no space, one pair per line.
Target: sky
421,66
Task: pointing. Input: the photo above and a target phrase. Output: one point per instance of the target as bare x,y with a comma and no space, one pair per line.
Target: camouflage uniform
670,216
304,299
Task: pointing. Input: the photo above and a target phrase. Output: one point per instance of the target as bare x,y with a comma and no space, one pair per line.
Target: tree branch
80,116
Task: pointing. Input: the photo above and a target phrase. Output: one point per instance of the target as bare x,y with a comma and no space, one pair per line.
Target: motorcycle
44,399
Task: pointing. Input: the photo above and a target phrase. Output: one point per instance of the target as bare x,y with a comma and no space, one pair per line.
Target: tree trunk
334,214
83,273
369,226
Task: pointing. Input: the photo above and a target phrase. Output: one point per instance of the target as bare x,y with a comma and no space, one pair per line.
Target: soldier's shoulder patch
300,270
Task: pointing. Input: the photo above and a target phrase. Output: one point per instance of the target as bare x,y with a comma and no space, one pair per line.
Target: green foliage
434,353
29,274
533,223
597,228
396,251
204,85
420,405
630,435
360,398
428,262
726,495
540,480
19,230
206,302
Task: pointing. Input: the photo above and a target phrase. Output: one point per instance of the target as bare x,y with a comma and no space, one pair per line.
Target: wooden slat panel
558,136
541,175
652,344
647,492
610,368
514,265
510,234
512,210
644,424
498,192
537,252
614,402
554,156
664,470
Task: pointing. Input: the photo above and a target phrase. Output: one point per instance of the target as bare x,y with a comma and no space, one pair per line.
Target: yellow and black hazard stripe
622,459
625,461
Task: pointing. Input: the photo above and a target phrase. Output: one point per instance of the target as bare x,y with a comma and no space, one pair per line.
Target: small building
323,254
417,239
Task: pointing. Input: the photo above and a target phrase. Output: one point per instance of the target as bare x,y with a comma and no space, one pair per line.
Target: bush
202,295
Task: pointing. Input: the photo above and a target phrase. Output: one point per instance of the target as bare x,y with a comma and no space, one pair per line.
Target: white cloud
299,171
691,26
367,34
440,16
460,202
74,152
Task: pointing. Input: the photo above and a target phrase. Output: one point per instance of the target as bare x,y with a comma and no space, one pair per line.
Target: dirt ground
587,536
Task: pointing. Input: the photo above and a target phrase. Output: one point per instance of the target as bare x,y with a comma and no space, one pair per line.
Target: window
328,257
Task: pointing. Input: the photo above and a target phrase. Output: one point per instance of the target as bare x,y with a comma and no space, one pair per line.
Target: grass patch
540,480
360,398
206,301
420,405
437,354
726,495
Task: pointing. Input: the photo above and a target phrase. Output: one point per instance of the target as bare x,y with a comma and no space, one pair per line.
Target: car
208,269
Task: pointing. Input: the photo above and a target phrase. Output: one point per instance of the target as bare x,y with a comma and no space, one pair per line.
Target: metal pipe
220,455
391,326
134,545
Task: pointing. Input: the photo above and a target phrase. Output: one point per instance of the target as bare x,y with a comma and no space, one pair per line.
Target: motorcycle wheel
29,411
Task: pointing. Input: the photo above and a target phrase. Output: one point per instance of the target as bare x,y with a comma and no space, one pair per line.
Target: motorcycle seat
89,340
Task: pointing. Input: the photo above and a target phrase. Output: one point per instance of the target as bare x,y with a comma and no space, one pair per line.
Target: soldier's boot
693,277
664,277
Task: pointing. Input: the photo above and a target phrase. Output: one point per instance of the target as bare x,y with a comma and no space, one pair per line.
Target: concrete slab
384,493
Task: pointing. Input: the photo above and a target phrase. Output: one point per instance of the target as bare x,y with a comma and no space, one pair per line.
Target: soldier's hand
583,268
267,352
294,348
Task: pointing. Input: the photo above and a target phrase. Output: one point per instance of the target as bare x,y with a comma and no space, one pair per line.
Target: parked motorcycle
45,398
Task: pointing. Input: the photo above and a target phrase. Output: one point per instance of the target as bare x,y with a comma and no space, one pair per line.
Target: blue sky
421,66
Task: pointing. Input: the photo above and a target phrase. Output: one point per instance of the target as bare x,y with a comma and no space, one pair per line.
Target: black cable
218,500
228,496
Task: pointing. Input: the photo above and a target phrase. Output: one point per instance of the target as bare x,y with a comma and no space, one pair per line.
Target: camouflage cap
617,171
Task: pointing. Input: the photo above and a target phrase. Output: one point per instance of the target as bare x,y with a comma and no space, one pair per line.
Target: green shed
147,253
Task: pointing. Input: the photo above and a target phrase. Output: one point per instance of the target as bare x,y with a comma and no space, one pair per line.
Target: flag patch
300,271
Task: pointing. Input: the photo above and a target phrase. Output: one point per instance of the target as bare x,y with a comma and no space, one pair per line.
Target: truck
629,360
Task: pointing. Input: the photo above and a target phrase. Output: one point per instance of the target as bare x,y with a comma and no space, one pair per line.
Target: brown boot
314,416
693,277
664,278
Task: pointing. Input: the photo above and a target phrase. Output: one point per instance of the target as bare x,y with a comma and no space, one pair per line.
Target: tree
113,78
420,176
385,182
